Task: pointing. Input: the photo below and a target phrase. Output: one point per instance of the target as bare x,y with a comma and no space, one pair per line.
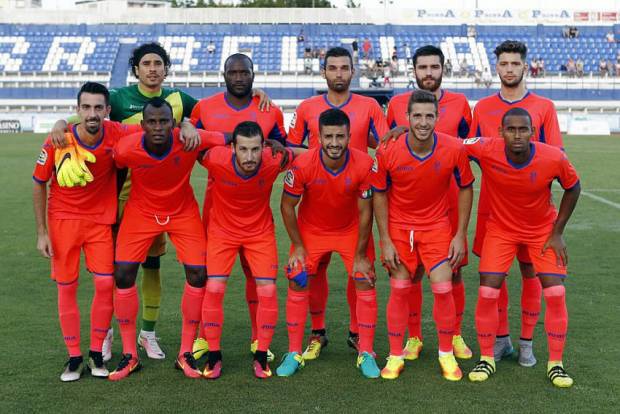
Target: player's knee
152,262
196,276
550,281
103,284
363,285
216,286
125,275
491,280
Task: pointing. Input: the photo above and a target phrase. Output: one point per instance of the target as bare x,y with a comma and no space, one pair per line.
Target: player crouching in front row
519,174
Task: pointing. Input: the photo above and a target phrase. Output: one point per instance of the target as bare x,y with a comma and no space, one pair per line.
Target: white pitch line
601,199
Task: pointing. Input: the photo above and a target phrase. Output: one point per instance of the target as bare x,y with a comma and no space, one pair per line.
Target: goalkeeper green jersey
127,103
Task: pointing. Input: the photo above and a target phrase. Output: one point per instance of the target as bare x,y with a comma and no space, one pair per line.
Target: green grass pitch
33,351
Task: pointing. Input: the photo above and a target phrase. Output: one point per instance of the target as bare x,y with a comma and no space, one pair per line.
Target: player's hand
44,246
557,243
70,164
278,148
189,136
362,266
457,251
264,103
57,134
390,255
392,135
298,257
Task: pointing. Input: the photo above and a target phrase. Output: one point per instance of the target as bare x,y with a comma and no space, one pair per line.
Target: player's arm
465,123
361,263
39,201
288,203
465,180
188,135
210,139
572,189
380,209
298,130
264,102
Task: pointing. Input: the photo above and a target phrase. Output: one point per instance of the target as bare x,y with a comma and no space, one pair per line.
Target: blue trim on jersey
526,163
199,125
429,154
463,130
346,161
276,134
378,190
478,133
337,107
239,174
373,129
161,157
90,147
394,125
288,193
499,95
234,108
541,135
38,181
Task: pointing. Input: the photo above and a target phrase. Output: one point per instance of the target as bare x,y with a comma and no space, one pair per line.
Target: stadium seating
62,56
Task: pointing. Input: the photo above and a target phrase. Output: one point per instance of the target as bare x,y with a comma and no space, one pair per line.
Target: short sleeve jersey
97,200
365,114
329,199
454,113
127,103
215,113
520,194
417,188
240,204
489,111
160,184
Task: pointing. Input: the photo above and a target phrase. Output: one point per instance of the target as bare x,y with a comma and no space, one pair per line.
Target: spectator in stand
300,37
610,37
394,66
541,67
610,68
579,67
407,53
410,78
356,51
387,75
487,78
534,68
463,67
617,65
447,68
573,32
571,68
471,31
602,68
211,47
367,48
565,32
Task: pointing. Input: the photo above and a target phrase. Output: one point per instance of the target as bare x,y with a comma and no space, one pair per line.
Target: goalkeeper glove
71,169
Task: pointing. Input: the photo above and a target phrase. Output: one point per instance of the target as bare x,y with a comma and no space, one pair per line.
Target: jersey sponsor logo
294,120
289,178
42,159
470,141
135,107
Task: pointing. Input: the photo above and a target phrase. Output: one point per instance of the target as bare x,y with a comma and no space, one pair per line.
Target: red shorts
320,246
69,238
427,247
138,231
260,252
481,230
500,248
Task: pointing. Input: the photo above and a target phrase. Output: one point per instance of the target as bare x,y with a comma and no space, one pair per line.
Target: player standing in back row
367,127
511,68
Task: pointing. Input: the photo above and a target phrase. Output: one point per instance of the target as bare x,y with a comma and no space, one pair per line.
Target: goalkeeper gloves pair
70,162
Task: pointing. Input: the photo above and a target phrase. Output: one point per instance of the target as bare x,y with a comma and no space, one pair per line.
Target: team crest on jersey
375,166
294,120
367,194
42,159
470,141
289,178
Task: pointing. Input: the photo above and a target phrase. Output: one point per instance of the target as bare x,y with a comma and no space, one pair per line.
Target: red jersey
520,194
97,201
240,204
417,188
454,113
329,202
364,113
489,111
160,184
215,113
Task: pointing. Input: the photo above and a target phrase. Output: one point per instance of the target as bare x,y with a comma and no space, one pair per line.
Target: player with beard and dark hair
223,112
368,126
511,68
454,120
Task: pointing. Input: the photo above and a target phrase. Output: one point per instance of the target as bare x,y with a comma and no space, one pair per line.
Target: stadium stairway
119,71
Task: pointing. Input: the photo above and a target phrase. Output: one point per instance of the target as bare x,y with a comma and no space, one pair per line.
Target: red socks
319,291
250,294
267,314
101,310
487,319
444,314
213,312
397,313
556,320
415,310
69,316
366,309
502,308
530,305
458,294
296,313
126,310
191,308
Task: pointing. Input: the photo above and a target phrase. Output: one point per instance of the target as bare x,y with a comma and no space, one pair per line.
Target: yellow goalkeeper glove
70,162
